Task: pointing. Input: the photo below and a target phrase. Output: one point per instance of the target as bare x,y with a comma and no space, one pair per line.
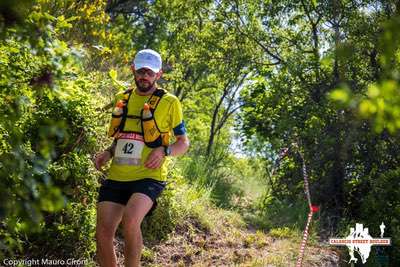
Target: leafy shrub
216,172
179,202
283,232
49,131
382,204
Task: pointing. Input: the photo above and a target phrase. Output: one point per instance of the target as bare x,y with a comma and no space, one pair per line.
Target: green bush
382,204
271,212
178,203
217,172
50,129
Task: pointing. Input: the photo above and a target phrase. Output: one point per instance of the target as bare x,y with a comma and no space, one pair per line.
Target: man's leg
138,206
109,216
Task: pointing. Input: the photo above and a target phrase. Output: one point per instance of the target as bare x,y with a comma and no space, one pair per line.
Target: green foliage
319,73
216,172
54,81
49,133
179,202
379,101
335,93
283,232
377,209
12,12
271,211
383,105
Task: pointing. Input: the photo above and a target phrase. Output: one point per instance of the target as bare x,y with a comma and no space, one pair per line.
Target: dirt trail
228,245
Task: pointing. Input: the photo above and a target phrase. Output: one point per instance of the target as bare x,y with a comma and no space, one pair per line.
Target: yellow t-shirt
168,116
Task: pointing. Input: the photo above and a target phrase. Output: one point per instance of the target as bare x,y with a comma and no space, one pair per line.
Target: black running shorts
120,192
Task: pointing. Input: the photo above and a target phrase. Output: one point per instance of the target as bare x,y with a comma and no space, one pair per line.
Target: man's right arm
103,157
111,148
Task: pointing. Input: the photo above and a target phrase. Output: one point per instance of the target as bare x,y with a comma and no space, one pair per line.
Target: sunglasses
143,72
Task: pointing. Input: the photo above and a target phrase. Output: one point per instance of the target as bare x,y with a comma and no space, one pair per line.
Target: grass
199,231
230,243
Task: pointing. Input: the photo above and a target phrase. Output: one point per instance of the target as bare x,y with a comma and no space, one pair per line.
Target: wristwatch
167,150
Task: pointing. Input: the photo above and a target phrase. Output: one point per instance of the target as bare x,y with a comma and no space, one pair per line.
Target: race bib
129,149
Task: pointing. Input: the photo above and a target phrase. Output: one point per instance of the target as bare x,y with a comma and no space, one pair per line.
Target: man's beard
142,88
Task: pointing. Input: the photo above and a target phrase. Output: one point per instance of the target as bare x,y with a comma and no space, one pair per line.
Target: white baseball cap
148,58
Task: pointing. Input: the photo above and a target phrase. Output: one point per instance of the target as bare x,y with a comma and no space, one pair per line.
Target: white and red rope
313,209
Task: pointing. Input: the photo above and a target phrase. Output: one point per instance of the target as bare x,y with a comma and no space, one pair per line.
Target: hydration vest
152,135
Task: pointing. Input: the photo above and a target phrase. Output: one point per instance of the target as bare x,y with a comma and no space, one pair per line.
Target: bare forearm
111,148
180,146
155,158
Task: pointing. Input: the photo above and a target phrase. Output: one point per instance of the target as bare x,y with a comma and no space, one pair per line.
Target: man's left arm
178,148
181,144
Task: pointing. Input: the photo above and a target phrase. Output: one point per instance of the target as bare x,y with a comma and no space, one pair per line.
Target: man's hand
101,159
155,158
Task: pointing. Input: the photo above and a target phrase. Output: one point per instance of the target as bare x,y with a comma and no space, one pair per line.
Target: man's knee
108,218
104,232
131,224
137,207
